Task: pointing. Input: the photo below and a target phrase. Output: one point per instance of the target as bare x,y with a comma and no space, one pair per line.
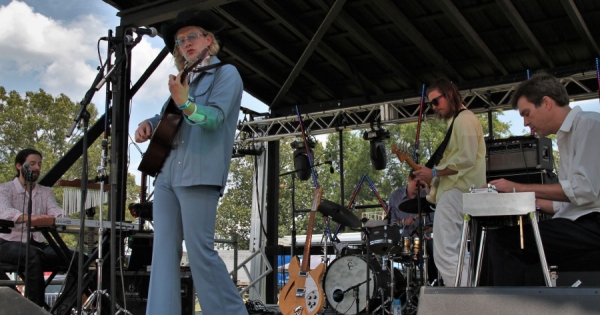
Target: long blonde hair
213,49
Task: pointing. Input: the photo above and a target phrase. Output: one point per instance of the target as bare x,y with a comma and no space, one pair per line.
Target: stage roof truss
478,100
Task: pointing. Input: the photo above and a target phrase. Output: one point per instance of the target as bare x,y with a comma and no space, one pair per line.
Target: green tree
235,208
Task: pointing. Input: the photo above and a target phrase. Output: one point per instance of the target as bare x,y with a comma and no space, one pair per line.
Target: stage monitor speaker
136,284
519,153
13,303
509,300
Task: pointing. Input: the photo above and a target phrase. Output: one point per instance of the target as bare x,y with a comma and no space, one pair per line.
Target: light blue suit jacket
201,156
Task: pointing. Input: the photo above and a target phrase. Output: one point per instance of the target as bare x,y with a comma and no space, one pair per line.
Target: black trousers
41,257
560,238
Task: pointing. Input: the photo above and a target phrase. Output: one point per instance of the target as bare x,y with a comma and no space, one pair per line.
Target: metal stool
497,204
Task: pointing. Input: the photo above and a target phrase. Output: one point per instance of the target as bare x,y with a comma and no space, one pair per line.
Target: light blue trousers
190,213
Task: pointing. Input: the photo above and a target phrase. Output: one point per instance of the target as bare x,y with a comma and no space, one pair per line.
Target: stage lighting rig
301,164
376,138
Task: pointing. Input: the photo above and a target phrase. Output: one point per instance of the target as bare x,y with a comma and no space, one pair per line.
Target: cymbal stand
384,260
324,240
409,307
420,247
425,255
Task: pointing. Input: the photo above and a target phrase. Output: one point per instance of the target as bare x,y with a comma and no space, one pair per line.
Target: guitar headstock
402,151
317,195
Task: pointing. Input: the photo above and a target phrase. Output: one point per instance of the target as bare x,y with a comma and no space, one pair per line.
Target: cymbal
339,214
412,206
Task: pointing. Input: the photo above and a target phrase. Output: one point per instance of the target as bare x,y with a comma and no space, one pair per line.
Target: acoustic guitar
403,157
303,293
162,136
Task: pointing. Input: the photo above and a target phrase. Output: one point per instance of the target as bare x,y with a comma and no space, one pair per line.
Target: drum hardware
385,239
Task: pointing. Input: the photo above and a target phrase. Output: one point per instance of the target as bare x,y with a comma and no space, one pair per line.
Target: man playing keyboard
14,198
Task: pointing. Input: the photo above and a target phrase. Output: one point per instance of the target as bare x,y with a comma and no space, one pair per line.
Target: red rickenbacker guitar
303,293
403,157
162,137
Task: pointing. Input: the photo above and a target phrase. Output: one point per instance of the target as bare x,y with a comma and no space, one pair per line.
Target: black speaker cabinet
509,300
13,303
137,283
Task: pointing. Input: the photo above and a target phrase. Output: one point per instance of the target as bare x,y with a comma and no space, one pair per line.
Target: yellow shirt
464,153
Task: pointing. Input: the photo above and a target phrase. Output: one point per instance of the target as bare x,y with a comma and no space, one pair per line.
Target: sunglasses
436,101
190,38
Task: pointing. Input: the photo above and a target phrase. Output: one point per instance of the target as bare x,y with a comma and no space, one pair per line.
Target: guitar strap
439,152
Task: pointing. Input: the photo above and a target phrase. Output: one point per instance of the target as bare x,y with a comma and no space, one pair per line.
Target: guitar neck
311,221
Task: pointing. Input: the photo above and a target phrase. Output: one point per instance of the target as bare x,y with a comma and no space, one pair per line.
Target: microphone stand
27,176
84,115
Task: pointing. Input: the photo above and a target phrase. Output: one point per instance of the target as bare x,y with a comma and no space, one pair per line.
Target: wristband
185,105
434,172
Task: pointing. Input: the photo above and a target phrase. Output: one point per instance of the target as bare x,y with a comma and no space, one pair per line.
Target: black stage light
301,164
377,153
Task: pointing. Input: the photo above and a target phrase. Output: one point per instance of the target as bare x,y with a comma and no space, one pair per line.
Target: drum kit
366,277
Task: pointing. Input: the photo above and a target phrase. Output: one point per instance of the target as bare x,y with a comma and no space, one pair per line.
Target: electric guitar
162,136
303,293
403,157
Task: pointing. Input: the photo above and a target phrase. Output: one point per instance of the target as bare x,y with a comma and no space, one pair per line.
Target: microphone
128,39
27,172
330,166
151,31
338,295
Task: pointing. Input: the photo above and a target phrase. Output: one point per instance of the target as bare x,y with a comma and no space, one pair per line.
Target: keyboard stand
497,204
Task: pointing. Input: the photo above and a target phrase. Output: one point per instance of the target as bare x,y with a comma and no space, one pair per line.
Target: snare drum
346,272
385,239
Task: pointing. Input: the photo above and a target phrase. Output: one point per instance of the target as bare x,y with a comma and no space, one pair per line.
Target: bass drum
346,272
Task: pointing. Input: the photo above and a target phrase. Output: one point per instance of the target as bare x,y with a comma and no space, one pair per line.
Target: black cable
260,215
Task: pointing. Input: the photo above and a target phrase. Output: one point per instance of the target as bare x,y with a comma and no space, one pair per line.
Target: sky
52,45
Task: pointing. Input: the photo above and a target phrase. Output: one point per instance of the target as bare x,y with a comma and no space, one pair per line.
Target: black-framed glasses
190,38
436,101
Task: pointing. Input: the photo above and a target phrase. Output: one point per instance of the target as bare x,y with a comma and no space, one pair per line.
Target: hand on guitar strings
424,174
179,88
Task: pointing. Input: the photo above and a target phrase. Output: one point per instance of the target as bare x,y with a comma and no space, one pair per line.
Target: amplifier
136,284
519,153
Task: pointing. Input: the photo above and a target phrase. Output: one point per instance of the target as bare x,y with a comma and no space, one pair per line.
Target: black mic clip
127,39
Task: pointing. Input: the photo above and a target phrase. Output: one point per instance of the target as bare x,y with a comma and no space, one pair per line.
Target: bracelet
185,105
434,172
